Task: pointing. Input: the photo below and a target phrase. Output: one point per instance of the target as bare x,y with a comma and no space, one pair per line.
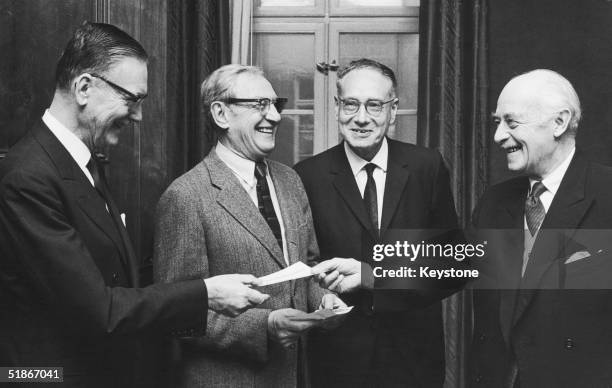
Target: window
289,39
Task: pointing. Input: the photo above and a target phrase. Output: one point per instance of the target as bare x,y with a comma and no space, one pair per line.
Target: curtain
453,117
198,43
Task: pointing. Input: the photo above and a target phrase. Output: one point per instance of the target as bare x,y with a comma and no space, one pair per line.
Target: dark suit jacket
67,273
550,336
390,337
206,225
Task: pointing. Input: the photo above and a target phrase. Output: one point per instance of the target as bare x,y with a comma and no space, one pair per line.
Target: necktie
534,209
369,196
264,201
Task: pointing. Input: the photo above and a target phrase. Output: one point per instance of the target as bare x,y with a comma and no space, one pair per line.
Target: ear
336,106
81,87
219,114
394,106
562,120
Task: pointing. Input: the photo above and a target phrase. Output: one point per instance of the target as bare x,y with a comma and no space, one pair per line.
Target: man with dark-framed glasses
359,190
69,284
238,211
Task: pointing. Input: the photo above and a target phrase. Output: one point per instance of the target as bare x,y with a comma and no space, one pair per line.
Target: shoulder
323,160
414,155
190,185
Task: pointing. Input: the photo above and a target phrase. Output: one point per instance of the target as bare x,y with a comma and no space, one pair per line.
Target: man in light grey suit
237,212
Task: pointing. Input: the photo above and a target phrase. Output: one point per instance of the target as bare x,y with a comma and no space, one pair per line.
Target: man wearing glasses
237,211
68,274
358,191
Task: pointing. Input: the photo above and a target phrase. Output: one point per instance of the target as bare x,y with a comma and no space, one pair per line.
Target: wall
571,37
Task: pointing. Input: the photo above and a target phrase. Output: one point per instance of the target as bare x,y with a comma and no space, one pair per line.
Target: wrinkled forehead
250,85
521,98
365,83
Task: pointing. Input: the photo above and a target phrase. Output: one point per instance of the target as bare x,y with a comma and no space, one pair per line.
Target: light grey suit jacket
207,225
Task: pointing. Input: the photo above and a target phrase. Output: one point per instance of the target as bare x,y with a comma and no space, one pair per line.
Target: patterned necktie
264,201
369,196
534,209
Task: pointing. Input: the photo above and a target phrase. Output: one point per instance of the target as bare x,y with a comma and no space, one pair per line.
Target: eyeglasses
350,106
263,104
127,95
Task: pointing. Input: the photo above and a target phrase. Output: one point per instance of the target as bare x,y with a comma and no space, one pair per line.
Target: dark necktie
369,196
534,209
264,201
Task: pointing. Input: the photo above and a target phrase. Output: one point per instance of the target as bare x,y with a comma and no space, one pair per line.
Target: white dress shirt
75,147
379,174
244,170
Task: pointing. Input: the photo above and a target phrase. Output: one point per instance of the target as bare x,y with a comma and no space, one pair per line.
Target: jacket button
482,338
292,346
569,343
115,278
478,378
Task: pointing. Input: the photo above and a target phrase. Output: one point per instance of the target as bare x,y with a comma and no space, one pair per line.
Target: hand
343,275
286,325
232,294
331,302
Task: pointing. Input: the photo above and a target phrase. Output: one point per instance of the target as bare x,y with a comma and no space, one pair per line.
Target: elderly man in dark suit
536,326
359,190
237,211
68,275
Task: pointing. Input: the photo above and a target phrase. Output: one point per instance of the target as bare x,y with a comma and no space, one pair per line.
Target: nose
136,113
273,115
362,116
501,133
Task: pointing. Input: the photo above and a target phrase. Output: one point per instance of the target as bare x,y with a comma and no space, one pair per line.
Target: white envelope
295,271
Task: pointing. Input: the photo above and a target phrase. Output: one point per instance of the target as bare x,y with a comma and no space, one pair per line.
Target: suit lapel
563,217
346,186
87,197
397,177
236,201
287,209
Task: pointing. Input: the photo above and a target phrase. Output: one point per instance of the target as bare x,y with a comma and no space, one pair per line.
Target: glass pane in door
288,61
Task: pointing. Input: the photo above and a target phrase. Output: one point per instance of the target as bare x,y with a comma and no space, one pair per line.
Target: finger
246,279
255,297
330,278
335,285
325,266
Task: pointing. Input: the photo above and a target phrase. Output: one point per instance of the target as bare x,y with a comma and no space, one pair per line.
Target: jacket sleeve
54,269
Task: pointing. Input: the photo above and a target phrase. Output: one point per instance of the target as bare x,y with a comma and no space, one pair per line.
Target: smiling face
526,128
363,132
110,111
249,132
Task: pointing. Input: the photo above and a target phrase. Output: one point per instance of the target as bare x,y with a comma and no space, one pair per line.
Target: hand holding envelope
286,325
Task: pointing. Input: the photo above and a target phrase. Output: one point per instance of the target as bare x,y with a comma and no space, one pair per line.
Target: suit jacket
208,225
67,273
543,334
391,337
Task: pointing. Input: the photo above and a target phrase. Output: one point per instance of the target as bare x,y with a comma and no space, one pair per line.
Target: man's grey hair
219,85
561,94
366,63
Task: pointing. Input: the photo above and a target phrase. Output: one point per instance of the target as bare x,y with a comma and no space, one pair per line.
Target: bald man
534,326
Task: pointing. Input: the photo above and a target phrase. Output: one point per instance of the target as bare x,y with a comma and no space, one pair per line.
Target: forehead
249,85
130,73
519,98
364,84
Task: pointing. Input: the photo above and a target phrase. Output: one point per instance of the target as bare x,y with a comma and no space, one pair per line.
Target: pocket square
577,256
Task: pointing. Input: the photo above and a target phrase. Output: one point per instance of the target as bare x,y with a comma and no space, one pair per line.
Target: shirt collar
357,163
553,180
242,167
75,146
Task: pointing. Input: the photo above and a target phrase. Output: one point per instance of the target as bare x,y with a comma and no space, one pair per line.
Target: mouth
513,149
361,130
265,130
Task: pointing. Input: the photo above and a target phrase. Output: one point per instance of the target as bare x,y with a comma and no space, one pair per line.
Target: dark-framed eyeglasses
351,106
263,104
127,95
